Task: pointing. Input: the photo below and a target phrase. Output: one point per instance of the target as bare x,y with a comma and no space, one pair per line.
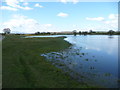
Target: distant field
23,67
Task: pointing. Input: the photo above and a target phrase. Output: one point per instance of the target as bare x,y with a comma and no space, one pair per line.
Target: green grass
23,67
0,64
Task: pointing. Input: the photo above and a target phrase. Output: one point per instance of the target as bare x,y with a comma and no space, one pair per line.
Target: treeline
110,32
74,32
42,33
52,33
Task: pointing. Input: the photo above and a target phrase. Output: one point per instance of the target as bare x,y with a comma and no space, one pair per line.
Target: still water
92,59
101,60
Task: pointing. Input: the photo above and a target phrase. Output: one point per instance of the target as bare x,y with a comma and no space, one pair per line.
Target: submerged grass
23,67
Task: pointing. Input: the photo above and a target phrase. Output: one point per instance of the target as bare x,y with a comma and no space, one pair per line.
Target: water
92,59
46,36
101,60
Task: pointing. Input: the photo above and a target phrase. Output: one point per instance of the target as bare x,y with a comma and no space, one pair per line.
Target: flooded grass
75,63
86,59
23,67
107,74
95,60
118,81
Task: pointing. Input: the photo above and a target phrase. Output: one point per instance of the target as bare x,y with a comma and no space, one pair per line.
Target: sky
30,17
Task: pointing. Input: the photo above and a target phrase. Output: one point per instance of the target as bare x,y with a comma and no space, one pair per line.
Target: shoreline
22,62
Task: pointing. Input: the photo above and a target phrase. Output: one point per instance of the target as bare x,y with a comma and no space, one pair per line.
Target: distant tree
90,31
74,32
55,33
6,31
80,32
118,32
85,33
48,33
37,33
111,32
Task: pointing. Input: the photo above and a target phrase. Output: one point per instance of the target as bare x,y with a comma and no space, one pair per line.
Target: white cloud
95,19
8,8
48,25
73,1
38,5
61,14
14,5
106,24
26,8
20,23
23,24
63,1
113,16
113,21
26,3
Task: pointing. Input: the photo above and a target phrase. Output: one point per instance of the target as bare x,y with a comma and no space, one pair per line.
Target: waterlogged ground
80,67
91,59
24,68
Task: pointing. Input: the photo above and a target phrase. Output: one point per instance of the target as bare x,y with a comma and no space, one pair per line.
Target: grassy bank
23,67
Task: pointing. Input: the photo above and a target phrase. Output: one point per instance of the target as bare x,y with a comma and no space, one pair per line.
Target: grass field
0,64
23,67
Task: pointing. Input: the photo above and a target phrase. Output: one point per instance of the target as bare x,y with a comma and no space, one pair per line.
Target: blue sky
29,17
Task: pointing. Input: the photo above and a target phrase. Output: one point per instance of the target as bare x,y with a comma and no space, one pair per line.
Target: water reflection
102,43
92,59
